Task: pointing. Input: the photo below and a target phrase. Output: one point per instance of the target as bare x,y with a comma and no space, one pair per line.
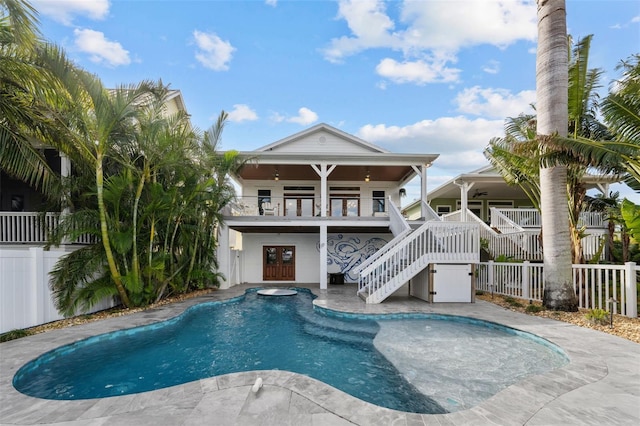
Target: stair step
338,335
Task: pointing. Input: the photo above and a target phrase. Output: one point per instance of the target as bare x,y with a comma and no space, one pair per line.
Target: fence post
630,290
490,281
36,314
525,280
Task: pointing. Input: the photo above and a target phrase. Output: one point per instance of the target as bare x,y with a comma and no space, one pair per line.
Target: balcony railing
530,218
31,228
309,206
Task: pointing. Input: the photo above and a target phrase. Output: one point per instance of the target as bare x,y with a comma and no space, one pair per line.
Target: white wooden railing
27,227
503,223
31,228
608,287
397,223
433,242
431,213
530,218
516,242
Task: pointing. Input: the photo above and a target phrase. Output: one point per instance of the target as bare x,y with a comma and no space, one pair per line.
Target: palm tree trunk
552,100
113,268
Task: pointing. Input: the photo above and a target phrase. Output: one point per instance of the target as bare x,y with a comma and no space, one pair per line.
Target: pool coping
600,384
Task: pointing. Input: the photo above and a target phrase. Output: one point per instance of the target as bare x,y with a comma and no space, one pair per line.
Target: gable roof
322,130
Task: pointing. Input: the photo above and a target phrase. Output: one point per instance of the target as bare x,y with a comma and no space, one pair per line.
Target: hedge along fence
608,287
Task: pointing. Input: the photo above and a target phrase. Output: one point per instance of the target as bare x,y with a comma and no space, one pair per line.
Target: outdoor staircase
410,253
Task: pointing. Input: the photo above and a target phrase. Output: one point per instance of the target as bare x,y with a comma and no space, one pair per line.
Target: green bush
13,334
598,316
534,308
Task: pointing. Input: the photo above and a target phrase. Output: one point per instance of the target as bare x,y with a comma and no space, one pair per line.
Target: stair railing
450,242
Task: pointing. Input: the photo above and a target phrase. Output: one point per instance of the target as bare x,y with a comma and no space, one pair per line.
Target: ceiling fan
478,193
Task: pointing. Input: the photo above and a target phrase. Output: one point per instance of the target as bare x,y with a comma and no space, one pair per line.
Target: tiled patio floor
600,386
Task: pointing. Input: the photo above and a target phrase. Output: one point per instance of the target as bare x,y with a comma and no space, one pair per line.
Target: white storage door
452,283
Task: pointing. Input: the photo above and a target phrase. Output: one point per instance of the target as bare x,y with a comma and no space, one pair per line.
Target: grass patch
513,302
534,308
13,335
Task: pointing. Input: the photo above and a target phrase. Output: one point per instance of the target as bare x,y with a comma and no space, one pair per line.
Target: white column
323,204
464,199
224,257
423,191
65,172
323,257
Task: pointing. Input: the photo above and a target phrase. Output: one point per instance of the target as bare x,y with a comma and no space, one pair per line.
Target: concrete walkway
600,385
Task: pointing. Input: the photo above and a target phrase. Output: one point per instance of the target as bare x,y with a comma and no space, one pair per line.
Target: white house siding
323,142
345,251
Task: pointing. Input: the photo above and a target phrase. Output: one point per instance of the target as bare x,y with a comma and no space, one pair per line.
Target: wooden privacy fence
608,287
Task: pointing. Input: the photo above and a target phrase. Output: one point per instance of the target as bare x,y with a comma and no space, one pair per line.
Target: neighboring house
314,207
18,197
505,209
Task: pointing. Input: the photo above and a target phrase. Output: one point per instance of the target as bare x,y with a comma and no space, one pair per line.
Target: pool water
409,364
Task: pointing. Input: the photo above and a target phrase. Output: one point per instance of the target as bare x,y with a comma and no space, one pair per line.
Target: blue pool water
405,362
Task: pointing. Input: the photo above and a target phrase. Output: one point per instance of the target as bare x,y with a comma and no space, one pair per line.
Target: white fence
597,286
25,297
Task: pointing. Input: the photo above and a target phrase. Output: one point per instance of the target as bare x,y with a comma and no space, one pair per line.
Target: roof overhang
352,166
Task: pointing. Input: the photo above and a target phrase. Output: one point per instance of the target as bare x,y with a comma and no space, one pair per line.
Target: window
298,205
378,202
264,196
443,210
345,205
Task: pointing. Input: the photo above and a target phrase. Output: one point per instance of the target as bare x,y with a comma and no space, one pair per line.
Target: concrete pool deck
600,385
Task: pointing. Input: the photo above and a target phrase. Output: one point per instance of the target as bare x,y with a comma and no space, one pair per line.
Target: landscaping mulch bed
625,327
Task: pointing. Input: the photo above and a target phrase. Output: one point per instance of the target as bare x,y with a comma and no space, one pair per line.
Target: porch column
423,191
464,198
324,171
323,257
224,257
65,172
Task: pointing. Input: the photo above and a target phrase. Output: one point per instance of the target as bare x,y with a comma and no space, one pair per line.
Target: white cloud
495,103
242,112
100,49
63,11
430,33
418,72
491,67
369,25
305,116
272,3
635,19
459,140
213,52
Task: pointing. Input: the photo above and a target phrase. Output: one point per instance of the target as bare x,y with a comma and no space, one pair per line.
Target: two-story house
313,207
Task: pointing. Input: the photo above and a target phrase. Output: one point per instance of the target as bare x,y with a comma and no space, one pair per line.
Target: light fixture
276,176
367,178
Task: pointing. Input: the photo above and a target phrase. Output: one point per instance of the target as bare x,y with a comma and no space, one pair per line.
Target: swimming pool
370,358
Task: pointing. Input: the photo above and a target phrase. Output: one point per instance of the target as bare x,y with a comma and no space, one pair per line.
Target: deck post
323,257
224,257
525,280
630,290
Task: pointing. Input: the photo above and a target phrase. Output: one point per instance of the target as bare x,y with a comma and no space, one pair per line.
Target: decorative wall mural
347,253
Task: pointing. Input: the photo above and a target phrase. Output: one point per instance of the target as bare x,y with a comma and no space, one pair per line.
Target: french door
278,263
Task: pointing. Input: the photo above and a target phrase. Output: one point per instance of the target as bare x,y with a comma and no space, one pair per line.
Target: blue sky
436,77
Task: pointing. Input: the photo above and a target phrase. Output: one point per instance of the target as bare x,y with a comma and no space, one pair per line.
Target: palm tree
23,83
517,155
552,118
